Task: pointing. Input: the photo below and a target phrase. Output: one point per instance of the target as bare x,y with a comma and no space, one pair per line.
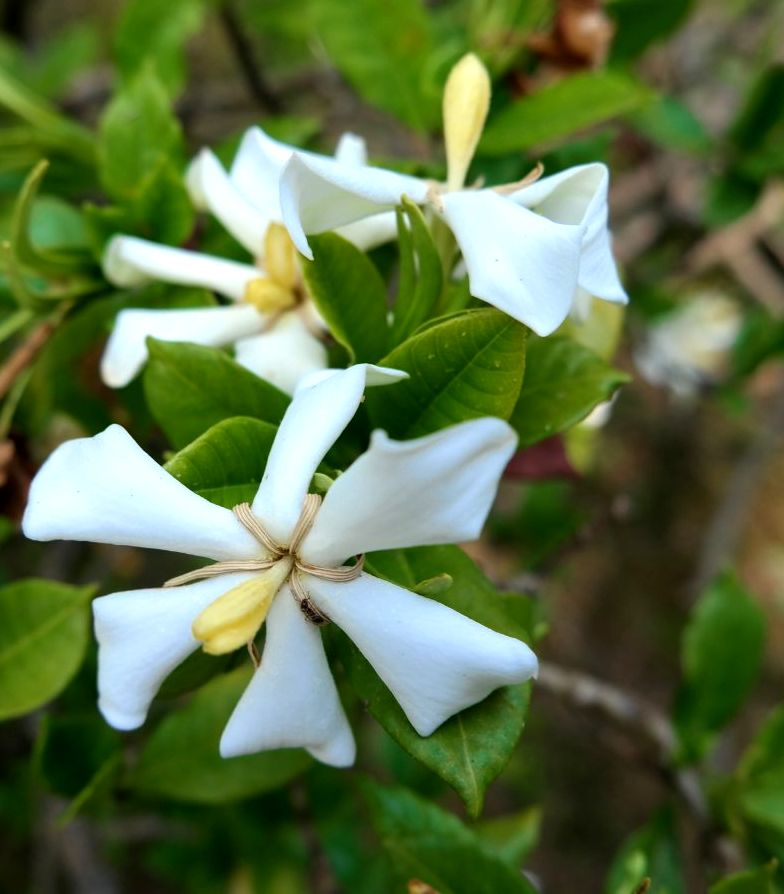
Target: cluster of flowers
292,559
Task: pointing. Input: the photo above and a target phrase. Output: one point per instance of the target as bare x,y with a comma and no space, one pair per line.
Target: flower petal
291,702
351,150
319,194
518,261
434,660
126,349
129,262
142,636
106,489
436,489
579,196
212,189
283,354
372,231
256,170
311,425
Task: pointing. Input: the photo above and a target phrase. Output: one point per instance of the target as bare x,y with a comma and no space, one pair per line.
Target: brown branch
24,355
257,85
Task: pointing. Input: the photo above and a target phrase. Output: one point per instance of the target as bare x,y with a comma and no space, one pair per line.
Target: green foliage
754,881
471,749
721,656
190,388
225,464
564,381
421,276
461,367
385,52
350,295
560,110
651,852
432,846
758,795
513,836
641,23
44,629
181,760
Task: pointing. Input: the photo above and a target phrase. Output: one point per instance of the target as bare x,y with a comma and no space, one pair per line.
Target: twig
729,519
322,880
24,355
257,85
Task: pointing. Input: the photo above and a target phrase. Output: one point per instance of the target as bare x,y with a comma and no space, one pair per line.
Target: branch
243,50
24,355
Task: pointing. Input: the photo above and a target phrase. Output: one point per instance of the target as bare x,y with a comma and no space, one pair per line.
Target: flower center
234,619
281,288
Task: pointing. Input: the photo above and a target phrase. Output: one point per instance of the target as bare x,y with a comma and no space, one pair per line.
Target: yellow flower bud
280,256
466,103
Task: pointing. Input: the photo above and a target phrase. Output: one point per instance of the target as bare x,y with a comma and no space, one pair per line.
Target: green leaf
472,748
226,463
753,881
462,367
721,656
349,293
564,381
640,23
44,629
651,852
429,844
190,387
671,124
385,52
760,780
513,836
421,275
137,133
562,109
181,759
149,31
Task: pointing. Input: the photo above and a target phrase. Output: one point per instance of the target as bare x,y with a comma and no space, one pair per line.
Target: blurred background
615,527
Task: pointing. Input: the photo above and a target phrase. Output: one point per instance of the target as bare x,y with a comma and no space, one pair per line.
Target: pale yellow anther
234,619
268,295
466,102
280,257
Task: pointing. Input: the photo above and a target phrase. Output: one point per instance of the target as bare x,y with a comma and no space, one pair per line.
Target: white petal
518,261
126,349
371,231
579,196
311,425
284,353
291,702
436,489
129,262
106,489
434,660
256,170
351,150
212,189
319,194
142,636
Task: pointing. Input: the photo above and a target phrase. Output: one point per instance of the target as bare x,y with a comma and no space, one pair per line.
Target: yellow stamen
466,102
280,257
234,619
268,295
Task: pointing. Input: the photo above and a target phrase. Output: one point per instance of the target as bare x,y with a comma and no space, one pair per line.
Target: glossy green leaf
471,749
384,50
753,881
721,656
189,388
349,293
225,464
641,23
44,630
181,759
760,780
561,110
426,843
421,275
462,367
137,133
564,381
651,852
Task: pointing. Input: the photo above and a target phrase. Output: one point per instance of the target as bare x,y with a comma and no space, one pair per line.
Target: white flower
527,246
689,347
273,325
436,489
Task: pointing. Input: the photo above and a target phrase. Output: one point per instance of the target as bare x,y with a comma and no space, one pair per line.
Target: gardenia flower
274,327
689,347
527,246
282,560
